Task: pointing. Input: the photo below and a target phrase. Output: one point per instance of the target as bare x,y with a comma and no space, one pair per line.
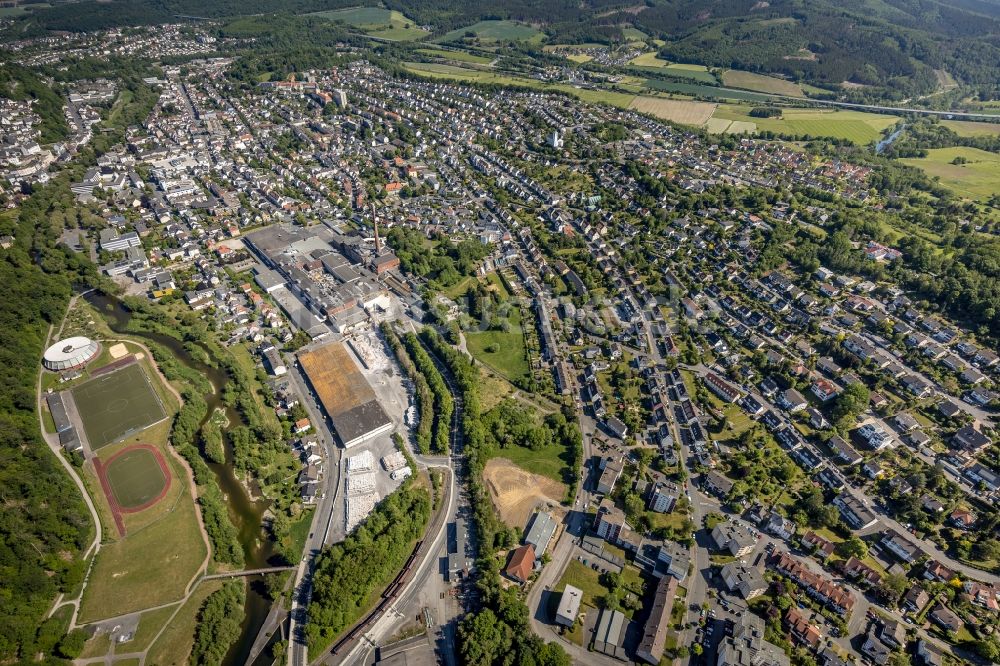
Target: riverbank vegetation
219,623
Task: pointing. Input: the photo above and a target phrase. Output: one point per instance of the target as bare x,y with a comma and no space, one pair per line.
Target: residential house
916,598
732,537
804,632
901,547
854,512
743,579
521,564
945,618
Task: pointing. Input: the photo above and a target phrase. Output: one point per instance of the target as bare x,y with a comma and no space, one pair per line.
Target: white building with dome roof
70,354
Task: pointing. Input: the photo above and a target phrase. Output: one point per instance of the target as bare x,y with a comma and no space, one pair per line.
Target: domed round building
70,354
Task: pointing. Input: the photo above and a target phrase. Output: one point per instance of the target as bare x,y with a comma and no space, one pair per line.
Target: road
322,528
458,510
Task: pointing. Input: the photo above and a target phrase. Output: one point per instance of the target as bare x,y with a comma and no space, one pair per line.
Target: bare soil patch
516,493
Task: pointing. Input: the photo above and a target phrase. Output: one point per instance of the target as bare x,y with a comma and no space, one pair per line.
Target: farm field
649,59
458,56
979,178
114,405
694,72
442,71
856,126
678,111
701,90
971,127
760,83
377,22
496,31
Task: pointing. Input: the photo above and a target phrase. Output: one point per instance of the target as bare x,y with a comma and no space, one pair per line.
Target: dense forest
41,540
21,83
441,261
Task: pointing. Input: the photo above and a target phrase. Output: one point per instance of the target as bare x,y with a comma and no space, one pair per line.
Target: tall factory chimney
378,241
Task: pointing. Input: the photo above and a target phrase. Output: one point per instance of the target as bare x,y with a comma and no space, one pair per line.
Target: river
246,513
887,141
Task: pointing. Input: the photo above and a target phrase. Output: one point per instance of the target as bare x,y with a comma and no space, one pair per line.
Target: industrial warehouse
345,394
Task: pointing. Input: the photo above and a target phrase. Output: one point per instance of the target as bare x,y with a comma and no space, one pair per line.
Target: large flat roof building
747,647
610,634
345,394
569,606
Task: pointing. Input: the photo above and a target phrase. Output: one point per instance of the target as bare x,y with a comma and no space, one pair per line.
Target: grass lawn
673,520
495,31
124,99
508,356
760,83
737,422
377,22
633,34
96,647
296,538
174,644
585,579
493,388
552,462
149,625
855,126
978,178
135,477
457,290
146,568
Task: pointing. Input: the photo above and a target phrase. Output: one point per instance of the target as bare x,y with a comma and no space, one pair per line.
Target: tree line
500,632
422,390
348,574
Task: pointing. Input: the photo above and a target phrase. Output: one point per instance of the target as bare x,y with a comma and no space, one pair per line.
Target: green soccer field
136,477
113,406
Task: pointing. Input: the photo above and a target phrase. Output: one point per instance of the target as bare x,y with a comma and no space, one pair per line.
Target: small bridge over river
249,572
